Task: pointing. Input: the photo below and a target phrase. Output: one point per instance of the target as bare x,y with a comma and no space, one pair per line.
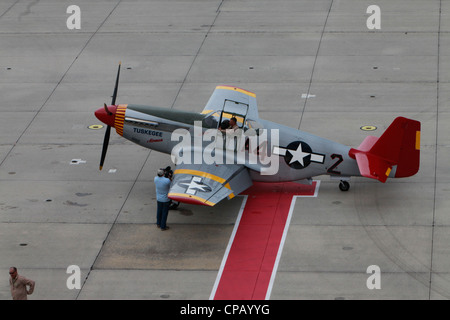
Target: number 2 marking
338,162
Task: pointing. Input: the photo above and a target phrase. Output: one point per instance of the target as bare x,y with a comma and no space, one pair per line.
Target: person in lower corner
20,286
162,184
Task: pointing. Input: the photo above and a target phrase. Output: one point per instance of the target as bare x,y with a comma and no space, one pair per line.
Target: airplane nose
107,115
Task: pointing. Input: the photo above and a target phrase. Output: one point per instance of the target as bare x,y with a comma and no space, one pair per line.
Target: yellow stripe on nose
120,118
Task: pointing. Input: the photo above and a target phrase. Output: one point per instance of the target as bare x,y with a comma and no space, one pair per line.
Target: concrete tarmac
314,65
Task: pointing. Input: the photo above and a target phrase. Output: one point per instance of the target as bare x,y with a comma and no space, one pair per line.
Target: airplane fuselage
299,155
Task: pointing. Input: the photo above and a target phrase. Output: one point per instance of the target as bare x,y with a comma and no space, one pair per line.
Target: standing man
18,284
162,190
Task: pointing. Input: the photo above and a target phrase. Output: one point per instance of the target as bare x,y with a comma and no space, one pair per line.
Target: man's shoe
164,229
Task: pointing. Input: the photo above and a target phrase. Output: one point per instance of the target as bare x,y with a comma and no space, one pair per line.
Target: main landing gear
344,185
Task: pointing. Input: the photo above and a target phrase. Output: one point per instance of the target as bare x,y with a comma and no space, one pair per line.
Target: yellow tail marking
417,140
388,171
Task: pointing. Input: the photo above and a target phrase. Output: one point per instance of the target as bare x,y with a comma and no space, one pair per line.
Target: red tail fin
397,149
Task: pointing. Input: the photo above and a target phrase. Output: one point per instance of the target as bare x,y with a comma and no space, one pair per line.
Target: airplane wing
208,184
233,100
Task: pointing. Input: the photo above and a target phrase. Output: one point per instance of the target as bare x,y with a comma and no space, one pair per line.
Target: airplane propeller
108,128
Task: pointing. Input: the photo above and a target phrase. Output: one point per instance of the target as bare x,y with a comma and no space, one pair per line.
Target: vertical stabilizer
398,146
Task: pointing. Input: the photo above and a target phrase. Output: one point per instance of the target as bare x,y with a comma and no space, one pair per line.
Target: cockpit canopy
215,118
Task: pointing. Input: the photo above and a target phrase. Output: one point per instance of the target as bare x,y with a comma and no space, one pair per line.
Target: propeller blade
106,109
108,128
105,146
116,87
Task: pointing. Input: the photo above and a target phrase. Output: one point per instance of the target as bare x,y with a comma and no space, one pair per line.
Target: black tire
174,205
344,185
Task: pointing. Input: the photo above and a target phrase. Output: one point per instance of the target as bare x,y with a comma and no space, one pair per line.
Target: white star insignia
195,185
298,155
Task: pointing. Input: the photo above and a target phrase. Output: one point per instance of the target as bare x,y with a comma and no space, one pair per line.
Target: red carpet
252,256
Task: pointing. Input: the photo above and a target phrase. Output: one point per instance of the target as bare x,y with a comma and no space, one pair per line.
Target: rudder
409,155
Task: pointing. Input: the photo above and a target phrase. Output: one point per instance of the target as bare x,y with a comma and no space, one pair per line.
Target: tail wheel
344,185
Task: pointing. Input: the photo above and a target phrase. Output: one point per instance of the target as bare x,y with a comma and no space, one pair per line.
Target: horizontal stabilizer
374,167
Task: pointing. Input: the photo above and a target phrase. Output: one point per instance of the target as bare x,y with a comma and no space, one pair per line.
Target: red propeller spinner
107,115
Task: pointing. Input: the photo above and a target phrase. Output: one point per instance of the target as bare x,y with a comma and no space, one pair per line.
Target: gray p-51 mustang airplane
215,161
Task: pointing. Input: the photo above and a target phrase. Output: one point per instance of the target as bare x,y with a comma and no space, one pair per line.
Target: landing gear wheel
173,205
344,185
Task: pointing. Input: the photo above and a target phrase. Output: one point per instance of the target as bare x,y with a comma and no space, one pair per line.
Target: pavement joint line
59,82
48,98
7,10
113,224
196,55
314,65
430,282
220,6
